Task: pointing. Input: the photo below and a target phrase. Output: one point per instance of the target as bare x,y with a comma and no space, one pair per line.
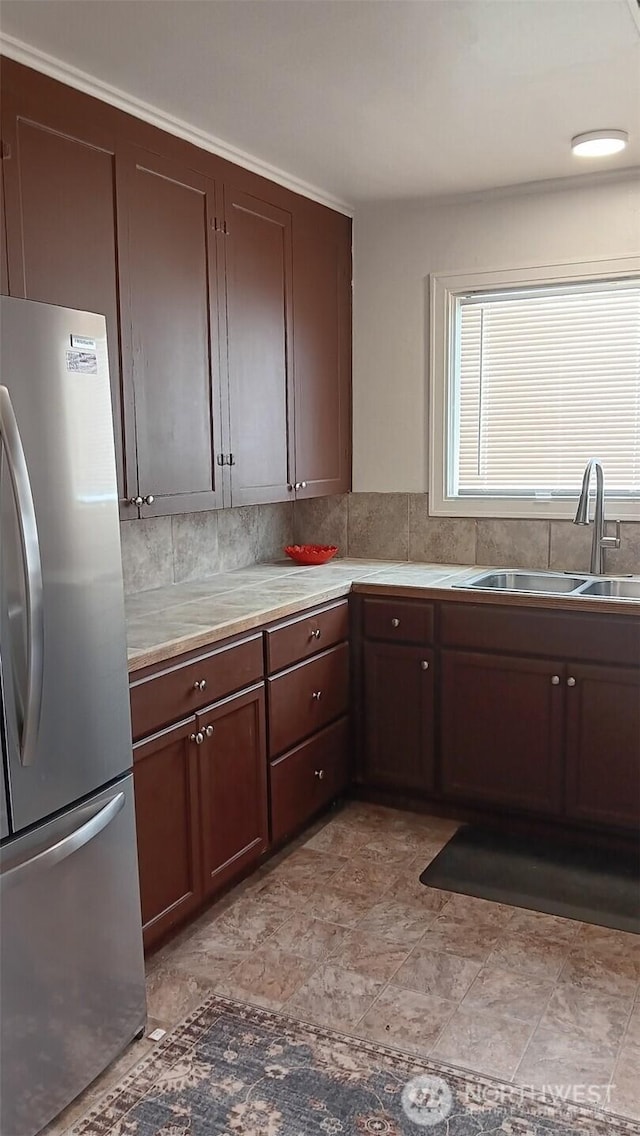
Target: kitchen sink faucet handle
612,541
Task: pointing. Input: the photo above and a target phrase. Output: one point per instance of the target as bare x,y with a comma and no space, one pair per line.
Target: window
532,374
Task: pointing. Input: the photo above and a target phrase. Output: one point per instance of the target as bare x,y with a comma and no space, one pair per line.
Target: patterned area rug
234,1070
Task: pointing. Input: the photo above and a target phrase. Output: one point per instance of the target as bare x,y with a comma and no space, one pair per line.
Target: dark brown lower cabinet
308,777
501,724
165,774
399,708
201,807
233,786
603,744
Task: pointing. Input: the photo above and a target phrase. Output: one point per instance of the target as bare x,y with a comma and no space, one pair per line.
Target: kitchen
250,676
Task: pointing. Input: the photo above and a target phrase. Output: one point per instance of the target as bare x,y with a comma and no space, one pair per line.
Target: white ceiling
367,99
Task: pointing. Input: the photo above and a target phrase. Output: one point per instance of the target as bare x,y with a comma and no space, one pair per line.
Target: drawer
401,621
178,691
306,635
554,634
308,777
307,697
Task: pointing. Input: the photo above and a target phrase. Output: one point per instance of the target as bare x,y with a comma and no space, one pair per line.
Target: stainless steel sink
553,583
613,589
542,583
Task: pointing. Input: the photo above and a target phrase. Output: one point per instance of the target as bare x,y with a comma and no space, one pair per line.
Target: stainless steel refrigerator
71,963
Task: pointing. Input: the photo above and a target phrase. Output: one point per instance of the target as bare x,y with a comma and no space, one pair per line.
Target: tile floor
338,930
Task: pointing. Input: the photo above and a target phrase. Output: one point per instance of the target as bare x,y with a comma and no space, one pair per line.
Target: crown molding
32,57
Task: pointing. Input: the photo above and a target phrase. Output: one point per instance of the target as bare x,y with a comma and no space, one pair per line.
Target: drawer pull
315,633
571,682
202,685
319,773
197,738
555,680
208,731
424,664
395,622
317,695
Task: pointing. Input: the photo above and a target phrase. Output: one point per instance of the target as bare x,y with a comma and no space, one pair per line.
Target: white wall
397,245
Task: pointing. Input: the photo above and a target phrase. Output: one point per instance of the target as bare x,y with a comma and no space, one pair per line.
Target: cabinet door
167,821
170,330
603,744
502,730
258,281
233,786
59,174
398,709
322,352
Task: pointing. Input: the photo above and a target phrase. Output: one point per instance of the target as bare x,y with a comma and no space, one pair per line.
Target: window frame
444,288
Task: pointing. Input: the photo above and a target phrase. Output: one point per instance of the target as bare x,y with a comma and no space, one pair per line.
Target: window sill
525,509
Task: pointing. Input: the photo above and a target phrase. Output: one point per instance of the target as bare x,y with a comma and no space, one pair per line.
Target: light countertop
168,621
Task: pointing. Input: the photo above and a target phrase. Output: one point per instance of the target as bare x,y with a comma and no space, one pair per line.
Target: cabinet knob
303,485
317,695
319,773
202,685
290,488
424,664
315,633
555,680
208,730
197,738
395,622
298,485
136,501
149,499
571,682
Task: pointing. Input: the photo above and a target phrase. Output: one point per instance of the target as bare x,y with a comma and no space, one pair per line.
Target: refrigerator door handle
19,474
65,847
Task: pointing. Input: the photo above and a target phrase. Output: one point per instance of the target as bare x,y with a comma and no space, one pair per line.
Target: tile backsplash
168,550
385,526
397,526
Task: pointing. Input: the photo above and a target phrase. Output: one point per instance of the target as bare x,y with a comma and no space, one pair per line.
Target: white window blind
545,378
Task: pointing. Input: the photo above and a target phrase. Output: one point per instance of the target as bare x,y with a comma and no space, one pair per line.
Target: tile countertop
168,621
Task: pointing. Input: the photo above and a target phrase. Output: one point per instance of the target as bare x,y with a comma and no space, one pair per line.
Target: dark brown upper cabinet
59,183
227,299
322,351
168,276
258,271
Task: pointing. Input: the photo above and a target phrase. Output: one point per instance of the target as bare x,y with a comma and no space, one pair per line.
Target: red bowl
311,553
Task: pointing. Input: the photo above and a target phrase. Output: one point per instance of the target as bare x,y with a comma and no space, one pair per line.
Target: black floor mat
585,883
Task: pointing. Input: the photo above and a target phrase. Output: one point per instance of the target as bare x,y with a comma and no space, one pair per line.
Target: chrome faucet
599,541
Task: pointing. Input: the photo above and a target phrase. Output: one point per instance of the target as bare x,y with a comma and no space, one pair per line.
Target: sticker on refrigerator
82,362
83,342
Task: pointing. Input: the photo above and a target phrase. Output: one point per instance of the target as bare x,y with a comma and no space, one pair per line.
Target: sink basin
544,583
613,589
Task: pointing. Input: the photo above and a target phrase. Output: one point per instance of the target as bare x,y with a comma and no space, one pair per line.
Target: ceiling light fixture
599,143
